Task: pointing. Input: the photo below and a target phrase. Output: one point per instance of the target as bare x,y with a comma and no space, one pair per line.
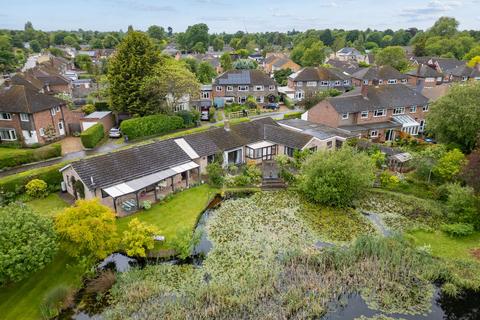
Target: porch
261,151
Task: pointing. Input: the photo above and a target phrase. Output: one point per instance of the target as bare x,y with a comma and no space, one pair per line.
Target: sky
231,16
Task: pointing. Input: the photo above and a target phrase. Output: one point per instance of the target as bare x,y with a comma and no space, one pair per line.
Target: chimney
226,125
364,91
420,85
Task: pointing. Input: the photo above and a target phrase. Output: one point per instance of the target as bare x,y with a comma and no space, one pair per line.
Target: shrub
16,157
88,108
138,238
188,117
150,125
389,180
460,205
92,136
101,106
28,242
55,300
293,115
36,188
449,165
288,102
216,174
458,230
147,205
378,158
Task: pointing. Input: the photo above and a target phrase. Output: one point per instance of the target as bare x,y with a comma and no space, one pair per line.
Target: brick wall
13,124
324,113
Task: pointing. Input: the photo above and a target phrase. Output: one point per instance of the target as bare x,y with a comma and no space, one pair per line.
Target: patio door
61,128
389,135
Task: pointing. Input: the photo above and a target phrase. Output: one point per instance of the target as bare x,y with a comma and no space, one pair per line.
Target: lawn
447,247
181,211
48,206
22,300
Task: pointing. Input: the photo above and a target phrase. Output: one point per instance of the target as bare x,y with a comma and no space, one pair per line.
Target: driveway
71,144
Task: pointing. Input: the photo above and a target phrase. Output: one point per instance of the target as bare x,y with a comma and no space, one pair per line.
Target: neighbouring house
30,116
279,61
104,117
375,112
204,103
381,75
442,65
310,80
425,76
52,81
348,67
123,180
348,53
257,57
463,73
59,64
81,88
237,85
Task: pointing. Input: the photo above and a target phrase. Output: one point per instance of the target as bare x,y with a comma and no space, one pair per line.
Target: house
30,116
59,64
81,88
425,76
103,117
348,53
375,112
124,179
348,67
382,75
310,80
237,85
463,73
51,81
277,62
442,65
257,57
203,104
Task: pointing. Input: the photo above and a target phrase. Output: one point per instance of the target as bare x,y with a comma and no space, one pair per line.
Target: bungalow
347,53
124,179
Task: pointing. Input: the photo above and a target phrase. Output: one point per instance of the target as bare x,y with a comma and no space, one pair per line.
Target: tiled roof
317,130
424,71
395,95
26,99
464,71
245,77
319,74
349,67
378,73
349,51
292,139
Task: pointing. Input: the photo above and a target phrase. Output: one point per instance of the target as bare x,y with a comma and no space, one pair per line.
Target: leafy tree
449,165
110,42
281,76
134,60
312,100
455,117
245,64
394,57
87,229
474,52
336,178
84,62
226,61
205,72
471,171
218,44
192,64
70,41
138,238
461,206
35,46
216,174
474,61
444,27
7,57
167,86
156,32
28,242
314,56
198,33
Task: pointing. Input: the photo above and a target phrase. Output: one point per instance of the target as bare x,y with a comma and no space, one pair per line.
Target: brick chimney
364,91
226,125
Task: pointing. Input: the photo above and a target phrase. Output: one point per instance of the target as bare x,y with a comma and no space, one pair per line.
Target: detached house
237,85
425,76
30,116
275,62
310,80
350,54
382,75
376,112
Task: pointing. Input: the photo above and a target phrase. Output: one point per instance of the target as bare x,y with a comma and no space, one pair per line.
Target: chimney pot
226,125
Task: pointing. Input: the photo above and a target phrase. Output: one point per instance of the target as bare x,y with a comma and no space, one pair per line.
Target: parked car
115,133
271,106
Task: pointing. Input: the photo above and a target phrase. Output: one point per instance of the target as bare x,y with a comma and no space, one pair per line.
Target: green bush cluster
189,118
92,136
150,125
458,230
36,188
293,115
15,157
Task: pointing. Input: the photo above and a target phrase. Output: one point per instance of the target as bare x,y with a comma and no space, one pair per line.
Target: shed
399,162
103,117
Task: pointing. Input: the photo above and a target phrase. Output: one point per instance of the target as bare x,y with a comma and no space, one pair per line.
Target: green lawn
447,247
48,206
181,211
23,299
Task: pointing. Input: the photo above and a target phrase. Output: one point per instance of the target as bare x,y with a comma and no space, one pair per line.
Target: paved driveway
71,144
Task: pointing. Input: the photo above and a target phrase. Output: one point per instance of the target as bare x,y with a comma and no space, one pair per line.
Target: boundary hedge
293,115
150,125
11,157
92,136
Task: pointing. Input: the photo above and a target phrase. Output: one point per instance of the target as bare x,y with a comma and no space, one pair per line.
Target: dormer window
344,116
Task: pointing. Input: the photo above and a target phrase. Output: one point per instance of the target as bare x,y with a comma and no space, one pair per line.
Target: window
218,88
53,112
338,83
205,94
346,82
429,79
344,116
42,132
60,125
258,88
379,113
299,84
289,151
311,83
404,80
242,88
365,82
392,81
299,95
324,83
229,88
57,108
260,99
6,116
271,88
313,149
8,134
373,133
364,114
24,117
399,110
329,144
413,109
380,81
242,99
425,108
464,78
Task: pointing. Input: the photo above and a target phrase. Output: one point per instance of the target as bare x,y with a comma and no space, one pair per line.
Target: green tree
199,47
245,64
87,229
336,178
474,61
218,44
226,61
28,242
216,174
461,206
394,57
35,46
138,238
7,57
314,56
110,42
455,117
444,27
205,72
281,76
156,32
84,62
474,52
134,60
193,35
70,41
449,165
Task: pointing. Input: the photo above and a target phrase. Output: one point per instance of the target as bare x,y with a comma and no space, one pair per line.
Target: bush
389,180
150,125
55,300
16,157
101,106
88,108
92,136
36,188
293,115
216,174
460,205
188,117
458,230
288,102
147,205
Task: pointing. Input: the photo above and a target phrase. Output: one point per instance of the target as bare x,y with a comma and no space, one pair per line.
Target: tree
134,60
444,27
156,32
138,238
205,72
35,46
193,35
460,205
314,56
87,229
70,41
218,44
84,62
281,76
336,178
28,242
474,52
226,61
449,165
474,61
216,173
245,64
394,57
471,171
110,42
167,86
455,117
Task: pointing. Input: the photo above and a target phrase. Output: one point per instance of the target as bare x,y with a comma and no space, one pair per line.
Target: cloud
429,10
142,6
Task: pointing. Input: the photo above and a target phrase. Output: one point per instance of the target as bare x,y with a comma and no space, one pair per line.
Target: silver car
115,133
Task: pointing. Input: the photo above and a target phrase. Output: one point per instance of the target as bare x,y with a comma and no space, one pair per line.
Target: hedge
293,115
10,157
16,183
92,136
150,125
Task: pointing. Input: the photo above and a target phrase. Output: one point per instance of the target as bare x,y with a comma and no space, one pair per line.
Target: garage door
86,125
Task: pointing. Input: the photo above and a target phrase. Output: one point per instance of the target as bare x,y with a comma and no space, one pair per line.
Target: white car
115,133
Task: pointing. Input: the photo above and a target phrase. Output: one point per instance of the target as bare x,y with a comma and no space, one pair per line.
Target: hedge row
92,136
293,115
16,183
150,125
10,157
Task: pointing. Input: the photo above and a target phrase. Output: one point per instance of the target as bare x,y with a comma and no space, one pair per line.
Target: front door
61,128
389,135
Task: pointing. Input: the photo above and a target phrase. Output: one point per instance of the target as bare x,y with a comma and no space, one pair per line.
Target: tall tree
444,27
205,72
156,32
134,60
226,61
394,57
